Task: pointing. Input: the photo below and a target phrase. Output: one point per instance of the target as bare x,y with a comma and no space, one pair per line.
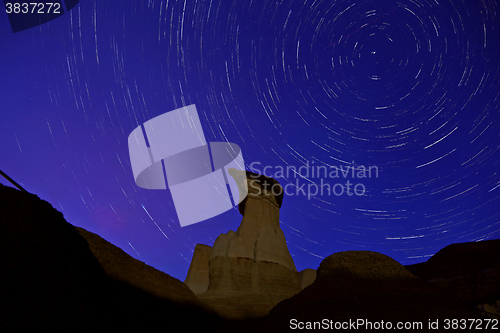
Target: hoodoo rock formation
259,236
250,270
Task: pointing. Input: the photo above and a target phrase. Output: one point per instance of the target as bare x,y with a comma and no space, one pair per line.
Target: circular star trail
408,88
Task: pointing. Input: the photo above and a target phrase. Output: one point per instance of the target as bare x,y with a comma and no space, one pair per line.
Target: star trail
411,88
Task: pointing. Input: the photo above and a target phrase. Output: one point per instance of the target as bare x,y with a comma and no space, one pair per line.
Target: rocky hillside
53,281
371,287
470,270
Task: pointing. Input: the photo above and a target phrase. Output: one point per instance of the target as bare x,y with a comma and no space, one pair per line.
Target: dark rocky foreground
51,281
58,278
372,287
469,270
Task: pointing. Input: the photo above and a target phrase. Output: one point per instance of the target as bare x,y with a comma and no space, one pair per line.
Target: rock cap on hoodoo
255,183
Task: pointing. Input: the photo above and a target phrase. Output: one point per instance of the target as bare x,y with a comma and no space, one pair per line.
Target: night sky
411,88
